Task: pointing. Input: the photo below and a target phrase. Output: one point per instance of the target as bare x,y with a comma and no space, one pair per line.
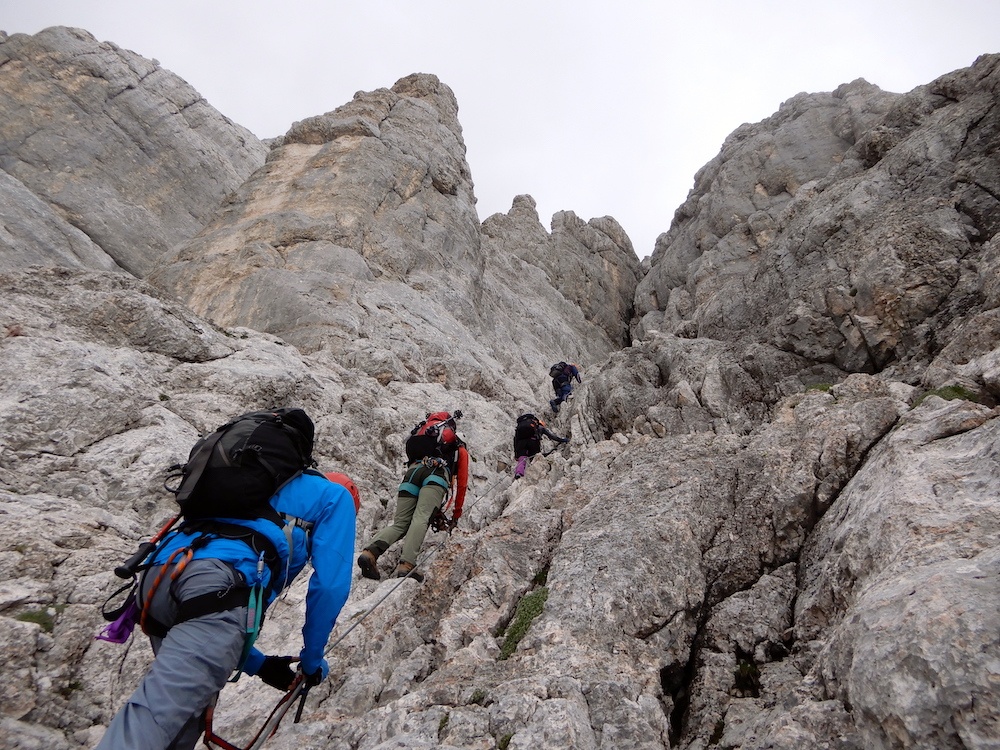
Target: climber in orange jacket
437,463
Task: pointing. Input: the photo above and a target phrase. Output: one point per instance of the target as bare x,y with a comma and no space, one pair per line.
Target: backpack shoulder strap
290,523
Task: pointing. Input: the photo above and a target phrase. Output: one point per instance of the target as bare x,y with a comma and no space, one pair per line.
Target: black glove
276,672
314,678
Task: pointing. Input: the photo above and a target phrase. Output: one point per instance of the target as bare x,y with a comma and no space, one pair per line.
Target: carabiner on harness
434,462
440,522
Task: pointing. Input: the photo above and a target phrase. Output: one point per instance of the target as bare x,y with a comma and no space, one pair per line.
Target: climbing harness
298,691
422,472
234,596
148,625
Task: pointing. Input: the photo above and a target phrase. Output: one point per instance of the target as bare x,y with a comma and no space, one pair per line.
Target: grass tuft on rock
528,609
45,619
949,393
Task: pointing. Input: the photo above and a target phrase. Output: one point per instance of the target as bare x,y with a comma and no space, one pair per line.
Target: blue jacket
329,507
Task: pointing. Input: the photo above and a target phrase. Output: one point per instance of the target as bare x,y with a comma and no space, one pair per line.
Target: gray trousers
193,662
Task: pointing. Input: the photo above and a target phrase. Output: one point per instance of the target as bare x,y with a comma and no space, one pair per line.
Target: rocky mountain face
776,524
107,159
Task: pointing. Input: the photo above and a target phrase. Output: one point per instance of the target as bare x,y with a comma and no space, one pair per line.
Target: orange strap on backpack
188,554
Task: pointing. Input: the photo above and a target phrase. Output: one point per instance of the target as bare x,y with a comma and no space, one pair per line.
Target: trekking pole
128,568
550,451
298,690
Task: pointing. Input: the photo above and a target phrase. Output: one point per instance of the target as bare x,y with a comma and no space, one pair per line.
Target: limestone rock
364,241
858,251
746,544
921,539
108,160
563,294
592,264
327,216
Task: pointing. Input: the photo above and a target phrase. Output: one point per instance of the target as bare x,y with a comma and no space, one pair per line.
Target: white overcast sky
601,107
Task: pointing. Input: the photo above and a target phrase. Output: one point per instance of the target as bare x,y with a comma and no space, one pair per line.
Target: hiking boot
554,405
366,561
406,569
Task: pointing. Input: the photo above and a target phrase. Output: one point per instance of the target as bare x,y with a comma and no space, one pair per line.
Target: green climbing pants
413,512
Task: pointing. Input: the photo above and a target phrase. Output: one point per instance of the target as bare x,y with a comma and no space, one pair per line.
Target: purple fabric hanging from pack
121,629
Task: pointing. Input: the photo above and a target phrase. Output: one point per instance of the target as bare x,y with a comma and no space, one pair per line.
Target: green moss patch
528,609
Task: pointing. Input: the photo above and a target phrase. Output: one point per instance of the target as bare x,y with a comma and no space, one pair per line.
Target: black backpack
527,427
559,368
234,471
435,436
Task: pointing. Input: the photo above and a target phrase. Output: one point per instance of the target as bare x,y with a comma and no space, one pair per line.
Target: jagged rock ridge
764,533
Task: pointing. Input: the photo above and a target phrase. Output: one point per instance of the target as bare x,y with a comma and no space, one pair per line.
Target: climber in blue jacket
196,609
562,374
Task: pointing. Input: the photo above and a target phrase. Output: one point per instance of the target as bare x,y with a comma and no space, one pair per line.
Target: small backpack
435,436
234,471
559,368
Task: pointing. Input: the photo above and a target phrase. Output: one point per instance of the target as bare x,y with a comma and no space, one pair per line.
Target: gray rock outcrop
862,246
775,526
107,159
592,264
360,237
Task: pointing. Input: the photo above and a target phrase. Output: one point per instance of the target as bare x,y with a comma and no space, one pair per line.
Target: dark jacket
567,375
528,437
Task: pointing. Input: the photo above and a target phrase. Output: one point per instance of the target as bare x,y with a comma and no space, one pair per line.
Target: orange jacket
459,481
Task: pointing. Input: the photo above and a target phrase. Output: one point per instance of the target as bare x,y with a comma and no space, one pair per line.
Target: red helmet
345,481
